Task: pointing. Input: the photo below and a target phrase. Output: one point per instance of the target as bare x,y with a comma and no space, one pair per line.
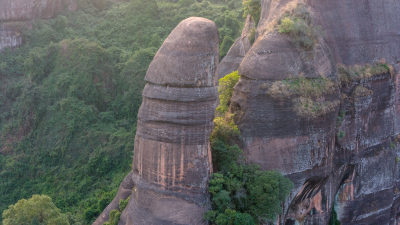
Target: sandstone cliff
319,105
18,14
337,140
172,160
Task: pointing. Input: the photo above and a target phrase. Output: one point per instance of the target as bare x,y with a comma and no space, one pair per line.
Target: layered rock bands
172,160
331,128
318,100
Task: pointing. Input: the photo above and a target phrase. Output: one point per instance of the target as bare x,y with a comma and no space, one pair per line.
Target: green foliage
70,94
286,26
348,74
225,46
340,135
240,193
225,91
252,36
225,128
114,217
245,191
39,209
362,91
115,214
297,25
302,86
334,220
307,94
123,203
253,8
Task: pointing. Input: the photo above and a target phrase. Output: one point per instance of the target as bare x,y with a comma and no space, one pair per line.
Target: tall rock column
172,160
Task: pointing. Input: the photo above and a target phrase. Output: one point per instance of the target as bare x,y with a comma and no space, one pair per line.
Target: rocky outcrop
172,160
338,144
238,50
10,35
21,10
320,106
15,15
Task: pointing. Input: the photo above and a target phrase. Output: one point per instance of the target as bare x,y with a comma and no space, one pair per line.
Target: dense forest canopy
69,97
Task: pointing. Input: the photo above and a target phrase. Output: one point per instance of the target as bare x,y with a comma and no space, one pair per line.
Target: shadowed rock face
347,156
172,160
238,50
17,14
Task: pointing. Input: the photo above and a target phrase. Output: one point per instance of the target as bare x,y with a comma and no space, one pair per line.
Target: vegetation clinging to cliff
298,26
115,214
225,90
240,193
347,74
252,8
307,94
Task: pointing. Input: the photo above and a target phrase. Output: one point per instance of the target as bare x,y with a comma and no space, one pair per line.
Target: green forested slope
69,98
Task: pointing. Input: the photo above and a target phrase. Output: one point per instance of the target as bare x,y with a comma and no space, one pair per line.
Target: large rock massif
16,15
336,137
319,106
172,161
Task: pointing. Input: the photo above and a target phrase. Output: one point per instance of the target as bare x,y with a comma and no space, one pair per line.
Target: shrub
297,25
286,26
115,214
307,95
241,194
362,91
225,46
302,86
312,108
114,217
252,8
225,91
39,209
252,35
348,74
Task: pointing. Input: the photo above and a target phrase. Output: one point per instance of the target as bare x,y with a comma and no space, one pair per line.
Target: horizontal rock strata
172,160
344,151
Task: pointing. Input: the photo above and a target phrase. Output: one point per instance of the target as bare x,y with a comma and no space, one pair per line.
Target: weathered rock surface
339,142
17,14
238,50
347,156
172,160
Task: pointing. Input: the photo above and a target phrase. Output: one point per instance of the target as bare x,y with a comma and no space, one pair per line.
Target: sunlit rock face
16,15
347,156
172,160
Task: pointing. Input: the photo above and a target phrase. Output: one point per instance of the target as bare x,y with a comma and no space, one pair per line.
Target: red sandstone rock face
15,13
348,157
172,160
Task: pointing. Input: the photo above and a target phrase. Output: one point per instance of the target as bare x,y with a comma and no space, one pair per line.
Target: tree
252,8
39,209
